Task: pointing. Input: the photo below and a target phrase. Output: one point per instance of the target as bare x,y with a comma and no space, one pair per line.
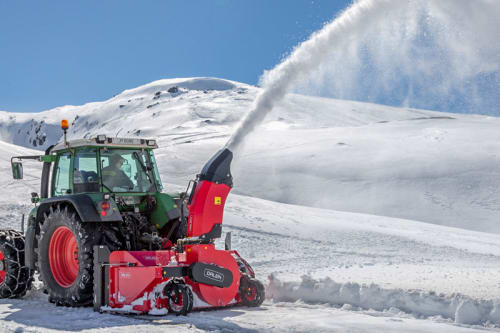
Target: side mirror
35,198
17,170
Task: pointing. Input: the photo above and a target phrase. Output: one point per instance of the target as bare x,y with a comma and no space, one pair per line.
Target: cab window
61,178
85,178
126,170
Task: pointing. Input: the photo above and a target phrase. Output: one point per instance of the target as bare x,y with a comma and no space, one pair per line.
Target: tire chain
18,277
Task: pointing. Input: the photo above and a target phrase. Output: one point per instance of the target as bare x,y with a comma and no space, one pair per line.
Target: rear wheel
15,277
65,258
252,291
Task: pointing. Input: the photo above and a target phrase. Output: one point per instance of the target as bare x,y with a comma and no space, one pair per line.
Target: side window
85,178
61,181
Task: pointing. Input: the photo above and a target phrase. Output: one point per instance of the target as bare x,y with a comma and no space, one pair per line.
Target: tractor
103,233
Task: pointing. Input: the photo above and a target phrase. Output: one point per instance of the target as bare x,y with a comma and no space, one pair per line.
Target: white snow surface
330,207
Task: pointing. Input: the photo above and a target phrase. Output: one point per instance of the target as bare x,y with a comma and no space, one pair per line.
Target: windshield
127,170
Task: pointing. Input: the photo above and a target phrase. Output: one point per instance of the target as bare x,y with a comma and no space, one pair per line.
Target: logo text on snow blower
213,275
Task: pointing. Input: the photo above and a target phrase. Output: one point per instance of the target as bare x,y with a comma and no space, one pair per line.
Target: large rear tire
65,257
15,276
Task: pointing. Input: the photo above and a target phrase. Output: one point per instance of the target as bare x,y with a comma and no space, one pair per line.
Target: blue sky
72,52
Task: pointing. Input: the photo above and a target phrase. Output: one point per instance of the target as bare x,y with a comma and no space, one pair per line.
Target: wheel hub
251,293
63,256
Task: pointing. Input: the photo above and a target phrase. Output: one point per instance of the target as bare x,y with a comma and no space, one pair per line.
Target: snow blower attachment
192,274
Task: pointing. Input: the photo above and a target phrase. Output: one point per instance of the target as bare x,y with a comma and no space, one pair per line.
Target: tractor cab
113,165
107,165
106,179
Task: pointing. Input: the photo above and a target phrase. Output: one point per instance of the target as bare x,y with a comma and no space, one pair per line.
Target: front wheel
252,291
179,296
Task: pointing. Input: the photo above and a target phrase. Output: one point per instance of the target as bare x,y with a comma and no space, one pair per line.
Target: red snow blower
191,274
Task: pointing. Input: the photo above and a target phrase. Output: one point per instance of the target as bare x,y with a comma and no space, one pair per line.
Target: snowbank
461,309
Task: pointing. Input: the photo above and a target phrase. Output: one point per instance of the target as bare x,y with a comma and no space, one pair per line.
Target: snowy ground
34,315
331,270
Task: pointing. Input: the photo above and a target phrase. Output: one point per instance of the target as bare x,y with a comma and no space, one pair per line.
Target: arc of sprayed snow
308,56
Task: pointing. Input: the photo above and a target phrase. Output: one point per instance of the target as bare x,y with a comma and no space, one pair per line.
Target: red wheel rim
63,256
2,265
176,300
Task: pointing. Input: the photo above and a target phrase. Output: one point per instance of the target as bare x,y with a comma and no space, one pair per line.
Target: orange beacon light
64,124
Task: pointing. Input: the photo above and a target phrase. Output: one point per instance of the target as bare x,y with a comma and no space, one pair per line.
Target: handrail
31,157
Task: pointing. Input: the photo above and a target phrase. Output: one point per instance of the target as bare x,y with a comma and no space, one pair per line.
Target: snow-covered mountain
422,165
156,109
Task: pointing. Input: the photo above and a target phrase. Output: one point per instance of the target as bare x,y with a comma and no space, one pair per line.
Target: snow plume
432,54
352,296
441,55
308,56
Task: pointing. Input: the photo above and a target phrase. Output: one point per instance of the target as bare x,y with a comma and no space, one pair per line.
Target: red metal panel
134,277
207,207
142,258
130,283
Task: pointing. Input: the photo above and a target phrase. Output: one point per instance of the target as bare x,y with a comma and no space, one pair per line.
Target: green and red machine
103,233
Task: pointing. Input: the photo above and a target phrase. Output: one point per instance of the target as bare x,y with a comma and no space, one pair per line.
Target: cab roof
103,141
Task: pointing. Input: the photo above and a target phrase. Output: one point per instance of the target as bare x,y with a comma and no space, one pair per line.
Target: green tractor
98,191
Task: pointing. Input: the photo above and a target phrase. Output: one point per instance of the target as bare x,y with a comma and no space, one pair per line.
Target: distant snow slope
435,167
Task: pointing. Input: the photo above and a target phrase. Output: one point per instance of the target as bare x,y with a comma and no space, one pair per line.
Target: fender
84,206
29,243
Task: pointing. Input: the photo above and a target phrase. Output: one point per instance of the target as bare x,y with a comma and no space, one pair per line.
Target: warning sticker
218,201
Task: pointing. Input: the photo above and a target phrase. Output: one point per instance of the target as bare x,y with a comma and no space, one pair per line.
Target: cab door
85,176
61,184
